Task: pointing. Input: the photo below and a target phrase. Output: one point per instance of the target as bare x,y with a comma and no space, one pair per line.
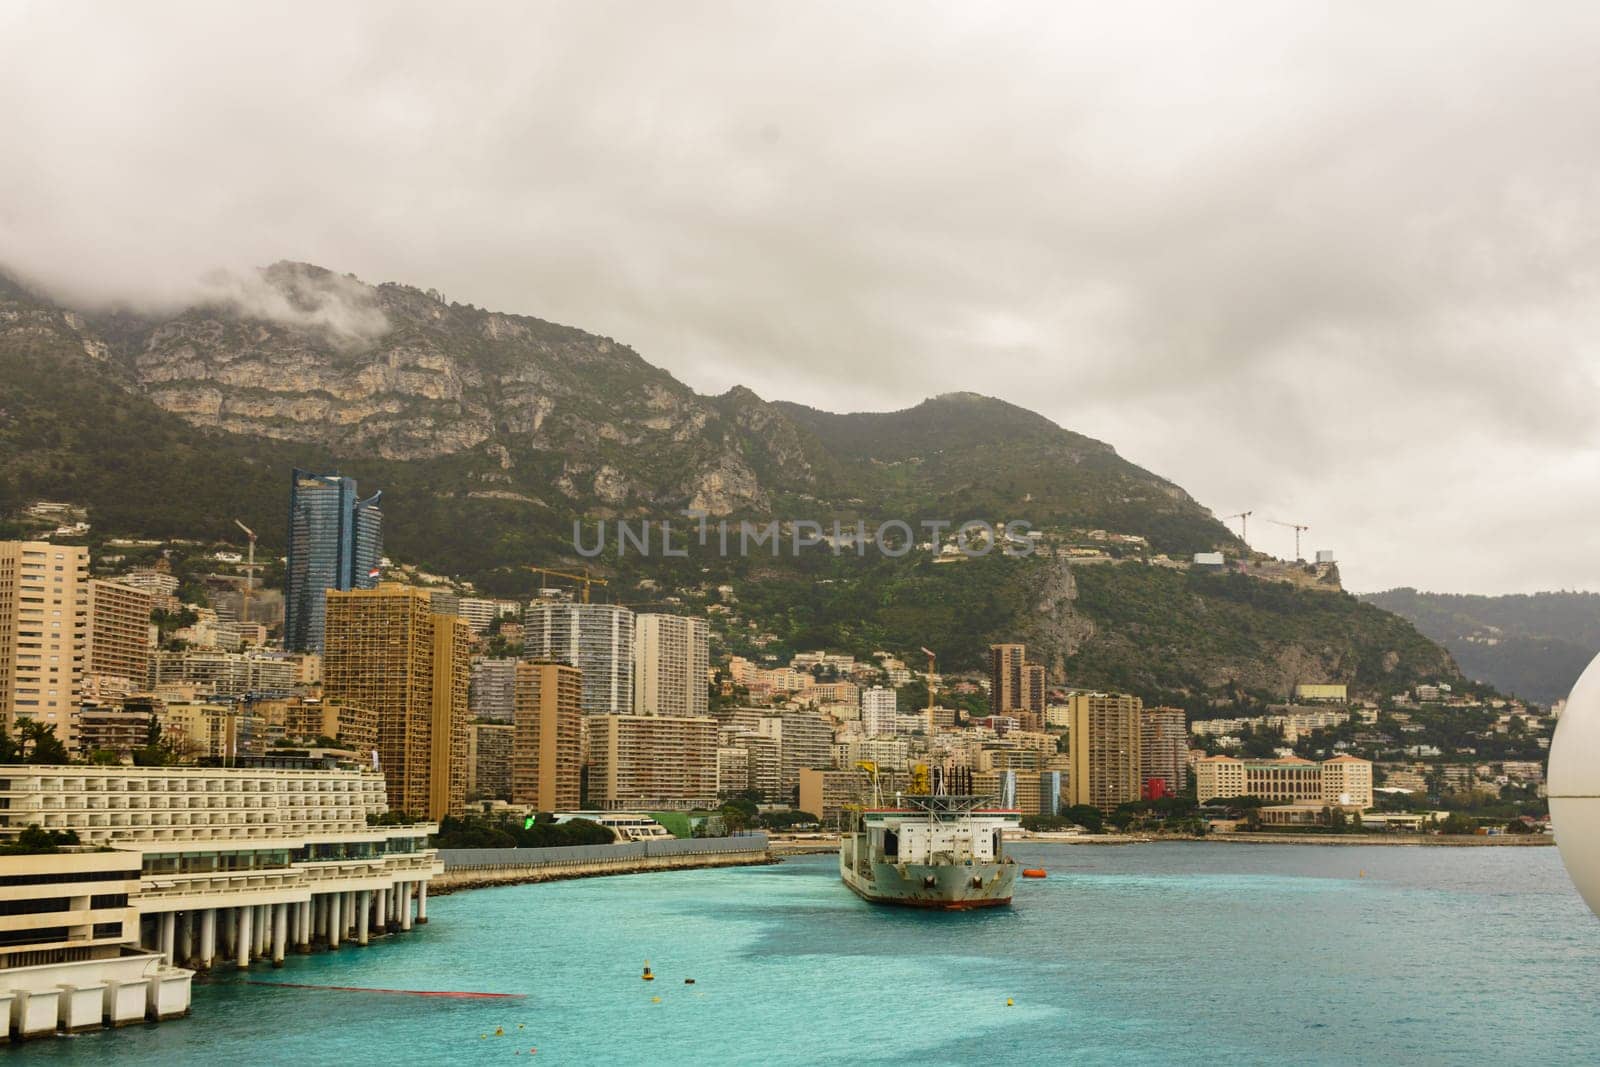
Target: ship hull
943,887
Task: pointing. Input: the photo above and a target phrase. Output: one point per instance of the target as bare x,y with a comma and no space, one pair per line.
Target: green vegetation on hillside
1532,645
1169,635
578,426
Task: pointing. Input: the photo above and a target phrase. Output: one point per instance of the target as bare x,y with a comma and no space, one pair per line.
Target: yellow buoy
655,1000
647,976
1008,1002
499,1031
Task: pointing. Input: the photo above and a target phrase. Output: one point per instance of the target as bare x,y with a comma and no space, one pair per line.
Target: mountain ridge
1532,644
492,433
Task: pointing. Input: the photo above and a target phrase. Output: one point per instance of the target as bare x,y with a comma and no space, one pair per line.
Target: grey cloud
1334,262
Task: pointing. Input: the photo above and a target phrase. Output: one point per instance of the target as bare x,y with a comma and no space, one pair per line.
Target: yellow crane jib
586,578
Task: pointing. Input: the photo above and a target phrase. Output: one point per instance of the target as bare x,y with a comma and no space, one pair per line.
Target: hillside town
179,653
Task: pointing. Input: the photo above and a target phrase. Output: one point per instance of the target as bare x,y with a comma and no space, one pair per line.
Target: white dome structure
1574,785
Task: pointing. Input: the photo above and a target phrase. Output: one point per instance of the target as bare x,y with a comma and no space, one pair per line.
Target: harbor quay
177,870
480,868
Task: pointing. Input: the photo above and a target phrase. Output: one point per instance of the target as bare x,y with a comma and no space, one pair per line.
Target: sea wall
476,868
1423,840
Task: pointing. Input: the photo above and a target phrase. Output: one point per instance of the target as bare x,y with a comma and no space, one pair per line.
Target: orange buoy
1033,872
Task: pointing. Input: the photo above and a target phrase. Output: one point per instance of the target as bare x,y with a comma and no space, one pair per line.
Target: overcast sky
1337,264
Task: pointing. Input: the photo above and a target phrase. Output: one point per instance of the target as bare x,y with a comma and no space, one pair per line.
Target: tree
1087,816
1458,823
155,752
36,840
37,743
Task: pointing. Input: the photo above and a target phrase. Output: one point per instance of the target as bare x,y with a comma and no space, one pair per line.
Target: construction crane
249,572
1299,528
586,578
1244,524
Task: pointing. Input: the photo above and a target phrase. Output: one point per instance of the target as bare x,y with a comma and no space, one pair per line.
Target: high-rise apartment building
547,746
879,711
478,612
308,719
1106,740
386,650
214,671
1033,693
670,656
763,762
595,638
1006,677
43,630
652,761
1164,748
489,752
493,689
335,542
118,645
803,741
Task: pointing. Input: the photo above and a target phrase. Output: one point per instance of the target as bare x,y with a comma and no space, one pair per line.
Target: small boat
1033,872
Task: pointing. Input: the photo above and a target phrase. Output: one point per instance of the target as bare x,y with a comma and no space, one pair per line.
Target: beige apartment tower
670,658
1164,747
118,645
1007,677
489,750
384,649
547,743
1105,739
43,632
652,761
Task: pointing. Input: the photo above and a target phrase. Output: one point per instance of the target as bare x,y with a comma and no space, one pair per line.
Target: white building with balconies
234,864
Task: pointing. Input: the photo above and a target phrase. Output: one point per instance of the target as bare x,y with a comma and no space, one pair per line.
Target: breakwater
477,868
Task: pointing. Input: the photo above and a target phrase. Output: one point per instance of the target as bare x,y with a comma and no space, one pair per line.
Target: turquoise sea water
1169,953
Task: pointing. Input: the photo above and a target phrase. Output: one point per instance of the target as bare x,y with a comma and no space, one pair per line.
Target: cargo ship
933,850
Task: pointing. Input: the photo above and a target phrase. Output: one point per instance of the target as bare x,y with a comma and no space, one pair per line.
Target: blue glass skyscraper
335,542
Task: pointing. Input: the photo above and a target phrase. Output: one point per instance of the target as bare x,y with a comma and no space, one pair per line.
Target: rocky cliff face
513,408
397,372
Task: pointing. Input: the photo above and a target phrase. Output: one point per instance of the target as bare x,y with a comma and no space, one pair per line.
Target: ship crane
1244,525
1299,528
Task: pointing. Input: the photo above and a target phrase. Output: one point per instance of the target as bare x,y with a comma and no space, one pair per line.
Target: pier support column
243,938
405,906
186,938
380,904
363,915
333,919
208,938
230,921
169,923
422,902
303,931
280,932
